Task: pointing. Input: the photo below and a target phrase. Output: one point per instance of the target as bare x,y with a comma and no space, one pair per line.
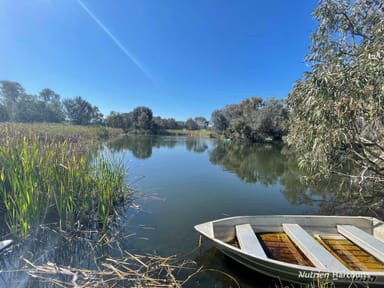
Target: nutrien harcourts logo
355,276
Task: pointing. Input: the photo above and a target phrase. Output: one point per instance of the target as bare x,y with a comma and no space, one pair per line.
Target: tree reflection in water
270,164
141,146
250,162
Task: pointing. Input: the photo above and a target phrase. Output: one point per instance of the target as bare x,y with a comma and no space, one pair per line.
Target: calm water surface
185,181
181,182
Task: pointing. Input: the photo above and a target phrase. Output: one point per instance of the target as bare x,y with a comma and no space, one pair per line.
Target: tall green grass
41,172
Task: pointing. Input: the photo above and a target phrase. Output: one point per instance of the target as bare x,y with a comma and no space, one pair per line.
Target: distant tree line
18,106
141,120
253,120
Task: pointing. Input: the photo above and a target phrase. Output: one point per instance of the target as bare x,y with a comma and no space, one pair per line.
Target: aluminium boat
304,248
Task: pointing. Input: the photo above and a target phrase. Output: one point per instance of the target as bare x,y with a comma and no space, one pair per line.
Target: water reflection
274,165
141,146
251,163
347,198
335,195
197,145
268,165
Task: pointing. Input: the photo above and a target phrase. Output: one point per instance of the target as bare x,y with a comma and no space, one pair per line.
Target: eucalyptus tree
191,124
80,112
201,122
142,118
120,120
52,109
3,113
28,109
164,123
11,92
17,105
253,120
272,119
219,121
338,105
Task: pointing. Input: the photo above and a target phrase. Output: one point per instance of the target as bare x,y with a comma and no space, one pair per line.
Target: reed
53,171
131,270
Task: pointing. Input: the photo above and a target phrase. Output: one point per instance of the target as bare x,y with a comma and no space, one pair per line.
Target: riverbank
63,132
57,169
61,194
204,133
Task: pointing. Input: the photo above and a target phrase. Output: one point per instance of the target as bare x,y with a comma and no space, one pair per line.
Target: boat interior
331,243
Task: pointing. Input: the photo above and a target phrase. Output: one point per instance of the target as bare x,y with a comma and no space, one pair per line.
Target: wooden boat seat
248,241
361,238
316,253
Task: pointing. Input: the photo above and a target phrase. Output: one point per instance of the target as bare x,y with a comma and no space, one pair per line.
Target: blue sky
181,58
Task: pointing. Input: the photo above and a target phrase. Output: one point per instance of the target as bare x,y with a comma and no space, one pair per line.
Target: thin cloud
116,41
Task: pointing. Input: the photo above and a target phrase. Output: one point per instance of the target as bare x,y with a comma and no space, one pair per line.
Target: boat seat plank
361,238
316,253
248,241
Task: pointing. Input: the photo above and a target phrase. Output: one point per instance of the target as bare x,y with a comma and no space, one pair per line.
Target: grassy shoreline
57,167
193,133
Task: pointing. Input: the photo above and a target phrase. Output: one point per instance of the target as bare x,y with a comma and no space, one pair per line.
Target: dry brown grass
130,270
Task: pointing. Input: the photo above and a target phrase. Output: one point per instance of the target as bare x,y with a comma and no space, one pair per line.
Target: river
184,181
180,182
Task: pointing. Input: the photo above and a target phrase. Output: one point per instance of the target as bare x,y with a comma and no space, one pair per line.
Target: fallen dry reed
131,270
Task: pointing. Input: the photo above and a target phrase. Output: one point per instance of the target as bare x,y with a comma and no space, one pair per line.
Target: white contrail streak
115,40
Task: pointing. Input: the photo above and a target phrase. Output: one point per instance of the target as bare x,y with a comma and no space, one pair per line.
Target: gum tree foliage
272,119
191,124
19,106
119,120
253,120
80,112
234,120
201,122
10,92
219,120
51,106
27,109
338,106
142,118
16,105
3,113
165,123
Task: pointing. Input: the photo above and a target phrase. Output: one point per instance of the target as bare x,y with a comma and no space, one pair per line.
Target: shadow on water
221,271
